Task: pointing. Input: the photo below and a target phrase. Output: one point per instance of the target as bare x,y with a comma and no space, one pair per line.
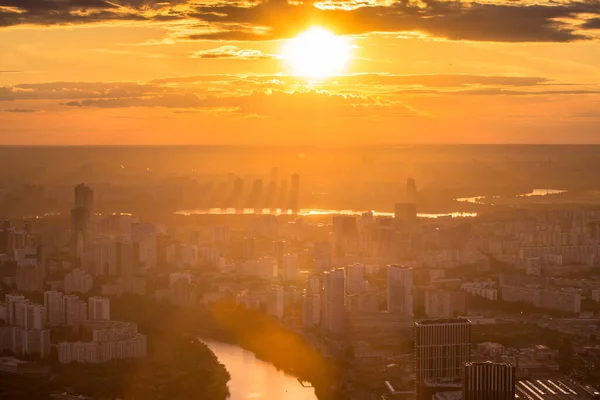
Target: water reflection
255,379
310,212
486,199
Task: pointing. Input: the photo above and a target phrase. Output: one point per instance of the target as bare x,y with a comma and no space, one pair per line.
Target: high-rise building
322,257
11,302
81,215
442,347
345,234
279,249
144,235
445,303
249,249
355,278
30,277
333,300
411,191
405,213
275,301
98,309
399,290
29,316
488,381
54,307
78,281
290,268
311,302
75,310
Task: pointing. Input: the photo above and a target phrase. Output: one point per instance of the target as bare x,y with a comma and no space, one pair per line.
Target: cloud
497,92
10,72
592,24
233,52
77,90
20,110
301,104
479,20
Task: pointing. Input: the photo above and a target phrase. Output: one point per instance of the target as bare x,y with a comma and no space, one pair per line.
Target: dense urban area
474,295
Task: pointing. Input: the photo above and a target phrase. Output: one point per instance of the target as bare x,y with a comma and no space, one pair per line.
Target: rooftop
554,390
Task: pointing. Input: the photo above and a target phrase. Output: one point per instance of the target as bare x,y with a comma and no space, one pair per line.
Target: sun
317,53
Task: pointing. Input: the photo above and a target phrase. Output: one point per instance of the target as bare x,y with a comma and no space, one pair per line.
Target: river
310,212
254,379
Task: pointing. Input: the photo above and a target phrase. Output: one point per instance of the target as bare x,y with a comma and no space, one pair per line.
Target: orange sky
178,71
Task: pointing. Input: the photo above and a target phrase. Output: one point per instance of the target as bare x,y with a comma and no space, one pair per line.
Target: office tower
78,281
144,234
488,381
445,303
249,249
11,301
75,310
275,301
442,347
311,302
405,213
334,301
399,290
294,193
98,309
54,307
322,257
355,278
290,268
81,215
411,191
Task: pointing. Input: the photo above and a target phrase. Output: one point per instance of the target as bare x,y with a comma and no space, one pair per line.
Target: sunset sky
217,72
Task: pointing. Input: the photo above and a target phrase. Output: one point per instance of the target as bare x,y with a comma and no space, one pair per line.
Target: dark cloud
592,24
20,110
504,21
233,52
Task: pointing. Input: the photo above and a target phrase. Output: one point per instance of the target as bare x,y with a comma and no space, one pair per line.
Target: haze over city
289,200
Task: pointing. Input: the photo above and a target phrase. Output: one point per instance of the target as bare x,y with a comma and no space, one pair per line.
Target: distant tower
411,191
81,215
294,193
488,381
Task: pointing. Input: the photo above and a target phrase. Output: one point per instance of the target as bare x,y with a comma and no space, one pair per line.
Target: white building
399,290
98,309
355,277
267,268
182,290
11,300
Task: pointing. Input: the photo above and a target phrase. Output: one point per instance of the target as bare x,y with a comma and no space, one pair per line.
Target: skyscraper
399,290
311,306
405,213
322,256
442,347
81,215
334,301
488,381
144,234
411,191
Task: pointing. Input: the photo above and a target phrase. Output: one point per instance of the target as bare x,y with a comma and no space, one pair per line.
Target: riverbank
254,331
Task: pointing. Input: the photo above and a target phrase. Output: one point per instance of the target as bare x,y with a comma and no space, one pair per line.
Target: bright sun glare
317,53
